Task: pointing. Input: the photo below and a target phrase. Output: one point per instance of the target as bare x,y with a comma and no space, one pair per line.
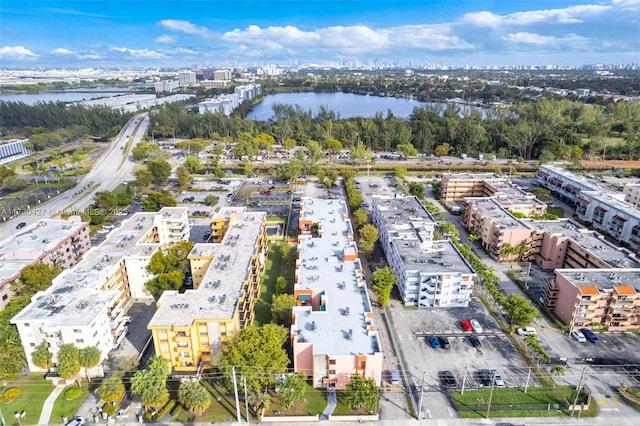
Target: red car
466,325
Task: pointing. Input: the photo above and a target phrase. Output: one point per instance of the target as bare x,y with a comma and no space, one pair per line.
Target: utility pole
526,385
421,395
493,386
575,400
235,390
464,378
246,400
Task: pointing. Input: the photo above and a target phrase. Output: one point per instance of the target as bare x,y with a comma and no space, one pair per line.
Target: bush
10,395
109,409
165,410
72,393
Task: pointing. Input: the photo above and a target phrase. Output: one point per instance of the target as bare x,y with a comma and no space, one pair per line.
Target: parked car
497,378
475,342
485,377
448,379
466,325
526,331
444,342
78,421
434,342
589,335
577,335
476,326
21,225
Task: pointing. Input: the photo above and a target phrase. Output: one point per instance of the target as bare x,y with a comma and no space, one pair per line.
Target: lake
346,104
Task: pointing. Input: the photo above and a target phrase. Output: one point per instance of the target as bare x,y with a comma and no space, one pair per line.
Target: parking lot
261,194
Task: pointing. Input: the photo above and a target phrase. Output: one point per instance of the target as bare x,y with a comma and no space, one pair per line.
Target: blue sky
98,33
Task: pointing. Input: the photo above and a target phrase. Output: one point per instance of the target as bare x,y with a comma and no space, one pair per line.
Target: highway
112,168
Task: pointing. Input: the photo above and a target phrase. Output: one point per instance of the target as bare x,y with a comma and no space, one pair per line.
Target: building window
165,350
33,345
164,340
204,343
332,362
223,333
183,344
206,353
332,371
184,354
77,330
203,333
79,340
181,333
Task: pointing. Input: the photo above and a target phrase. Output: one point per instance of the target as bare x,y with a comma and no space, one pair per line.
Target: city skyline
178,34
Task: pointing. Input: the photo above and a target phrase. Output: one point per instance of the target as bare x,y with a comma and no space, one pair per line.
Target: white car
526,331
477,328
78,421
577,335
104,231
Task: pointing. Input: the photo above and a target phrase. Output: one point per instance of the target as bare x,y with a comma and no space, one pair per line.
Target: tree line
545,129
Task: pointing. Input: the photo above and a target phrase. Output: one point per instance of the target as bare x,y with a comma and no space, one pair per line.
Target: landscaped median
514,402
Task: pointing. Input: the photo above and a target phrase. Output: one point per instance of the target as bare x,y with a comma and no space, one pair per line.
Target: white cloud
186,27
538,39
167,39
138,53
16,52
567,15
632,5
428,37
62,52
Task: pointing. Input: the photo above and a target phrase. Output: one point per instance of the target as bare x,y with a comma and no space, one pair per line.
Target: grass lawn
313,403
343,408
62,407
515,396
34,389
222,408
274,269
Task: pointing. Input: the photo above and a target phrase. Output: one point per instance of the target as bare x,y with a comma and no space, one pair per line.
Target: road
112,168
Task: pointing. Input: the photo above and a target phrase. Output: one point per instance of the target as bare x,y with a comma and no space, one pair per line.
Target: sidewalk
47,408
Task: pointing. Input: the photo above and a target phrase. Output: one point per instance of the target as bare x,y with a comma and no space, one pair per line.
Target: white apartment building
224,103
631,193
248,92
565,184
430,273
222,74
59,243
166,86
13,149
186,78
86,304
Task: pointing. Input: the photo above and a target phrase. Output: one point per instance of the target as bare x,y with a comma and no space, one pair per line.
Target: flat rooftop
623,280
586,183
471,176
490,207
616,257
403,215
75,296
31,243
507,193
222,285
341,329
442,257
613,200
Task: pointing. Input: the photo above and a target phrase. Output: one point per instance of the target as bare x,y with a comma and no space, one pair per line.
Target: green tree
111,390
407,150
281,306
151,384
519,311
383,280
158,199
192,164
160,170
542,194
287,253
194,397
448,228
89,357
143,176
362,392
105,200
259,353
360,217
442,149
35,278
211,200
14,183
281,285
68,361
41,357
293,388
416,189
183,176
368,238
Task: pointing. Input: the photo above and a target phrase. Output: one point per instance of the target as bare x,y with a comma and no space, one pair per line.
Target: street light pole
424,373
493,386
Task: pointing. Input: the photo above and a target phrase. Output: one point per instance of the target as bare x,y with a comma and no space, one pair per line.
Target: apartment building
333,333
186,78
190,328
457,187
495,226
59,243
565,184
248,92
166,86
608,213
430,273
563,244
86,304
631,193
597,298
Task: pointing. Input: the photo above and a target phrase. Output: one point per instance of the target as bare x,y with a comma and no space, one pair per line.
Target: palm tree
41,356
557,371
89,357
194,397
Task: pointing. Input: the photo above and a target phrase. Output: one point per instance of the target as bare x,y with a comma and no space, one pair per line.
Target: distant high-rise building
166,86
186,78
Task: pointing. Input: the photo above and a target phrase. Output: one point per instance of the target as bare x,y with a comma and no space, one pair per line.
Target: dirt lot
616,164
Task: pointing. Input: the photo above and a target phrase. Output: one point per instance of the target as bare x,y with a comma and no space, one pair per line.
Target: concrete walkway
45,414
332,402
